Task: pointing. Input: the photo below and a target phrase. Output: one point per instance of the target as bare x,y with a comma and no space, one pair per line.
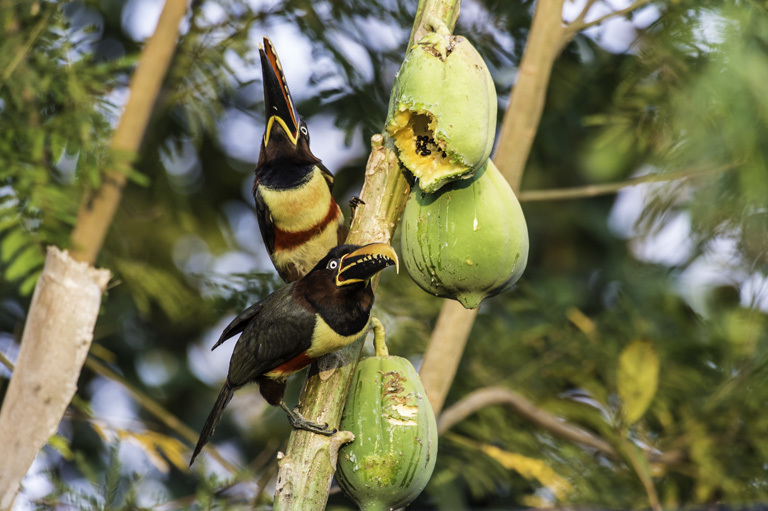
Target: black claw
299,422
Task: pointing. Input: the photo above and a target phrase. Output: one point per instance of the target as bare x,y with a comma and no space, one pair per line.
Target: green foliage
688,98
53,132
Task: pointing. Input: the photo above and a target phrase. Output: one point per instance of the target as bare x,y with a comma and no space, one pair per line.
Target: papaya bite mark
420,147
442,111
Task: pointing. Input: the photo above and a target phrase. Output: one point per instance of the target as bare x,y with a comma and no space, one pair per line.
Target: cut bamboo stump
53,349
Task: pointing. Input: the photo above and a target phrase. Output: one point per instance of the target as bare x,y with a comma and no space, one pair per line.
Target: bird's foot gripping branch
324,311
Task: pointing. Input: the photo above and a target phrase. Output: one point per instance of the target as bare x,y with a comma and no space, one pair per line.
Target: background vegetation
662,284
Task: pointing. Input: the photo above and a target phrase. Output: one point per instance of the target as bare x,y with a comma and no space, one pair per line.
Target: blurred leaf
530,468
62,446
637,378
157,446
30,260
149,284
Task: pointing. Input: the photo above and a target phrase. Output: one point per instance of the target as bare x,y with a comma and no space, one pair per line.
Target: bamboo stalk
306,469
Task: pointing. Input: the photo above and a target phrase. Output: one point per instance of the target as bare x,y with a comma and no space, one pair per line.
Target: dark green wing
238,324
281,332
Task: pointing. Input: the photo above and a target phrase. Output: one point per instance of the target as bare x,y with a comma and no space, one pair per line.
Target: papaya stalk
306,469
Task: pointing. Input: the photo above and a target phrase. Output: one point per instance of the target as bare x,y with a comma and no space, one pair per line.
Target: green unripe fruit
467,241
442,111
392,457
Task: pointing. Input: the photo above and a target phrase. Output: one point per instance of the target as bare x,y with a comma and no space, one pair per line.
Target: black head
354,264
286,133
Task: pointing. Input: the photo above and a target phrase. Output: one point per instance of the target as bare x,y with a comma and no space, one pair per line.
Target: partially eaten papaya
393,455
442,110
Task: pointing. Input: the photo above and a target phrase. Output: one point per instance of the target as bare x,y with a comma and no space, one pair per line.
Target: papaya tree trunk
59,327
307,468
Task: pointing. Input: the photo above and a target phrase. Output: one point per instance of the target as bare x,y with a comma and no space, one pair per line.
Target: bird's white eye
333,264
304,130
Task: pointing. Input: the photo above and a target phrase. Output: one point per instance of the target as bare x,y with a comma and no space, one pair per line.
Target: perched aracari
299,219
322,312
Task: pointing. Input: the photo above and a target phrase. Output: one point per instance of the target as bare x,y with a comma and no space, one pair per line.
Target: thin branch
488,396
497,395
583,14
641,470
581,192
579,24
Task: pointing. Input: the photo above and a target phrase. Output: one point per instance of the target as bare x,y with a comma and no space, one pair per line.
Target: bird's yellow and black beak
277,98
363,263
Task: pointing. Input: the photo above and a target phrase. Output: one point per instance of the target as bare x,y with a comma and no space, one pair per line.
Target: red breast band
286,240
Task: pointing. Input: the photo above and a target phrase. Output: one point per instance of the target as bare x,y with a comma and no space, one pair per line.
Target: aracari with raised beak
298,217
324,311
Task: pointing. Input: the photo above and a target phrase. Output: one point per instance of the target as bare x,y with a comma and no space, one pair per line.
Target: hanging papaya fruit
393,455
468,241
442,111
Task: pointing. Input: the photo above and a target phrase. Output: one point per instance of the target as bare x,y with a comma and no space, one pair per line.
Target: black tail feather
213,419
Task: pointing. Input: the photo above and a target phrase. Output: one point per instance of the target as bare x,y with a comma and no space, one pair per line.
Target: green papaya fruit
468,241
393,455
442,111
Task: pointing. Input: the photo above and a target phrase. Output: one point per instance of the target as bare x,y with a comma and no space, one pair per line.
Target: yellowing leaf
154,445
530,468
638,377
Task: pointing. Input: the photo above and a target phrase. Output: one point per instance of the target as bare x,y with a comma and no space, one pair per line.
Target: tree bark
57,336
307,468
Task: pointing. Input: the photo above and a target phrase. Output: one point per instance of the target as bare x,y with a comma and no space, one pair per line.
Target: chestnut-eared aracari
299,219
323,311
